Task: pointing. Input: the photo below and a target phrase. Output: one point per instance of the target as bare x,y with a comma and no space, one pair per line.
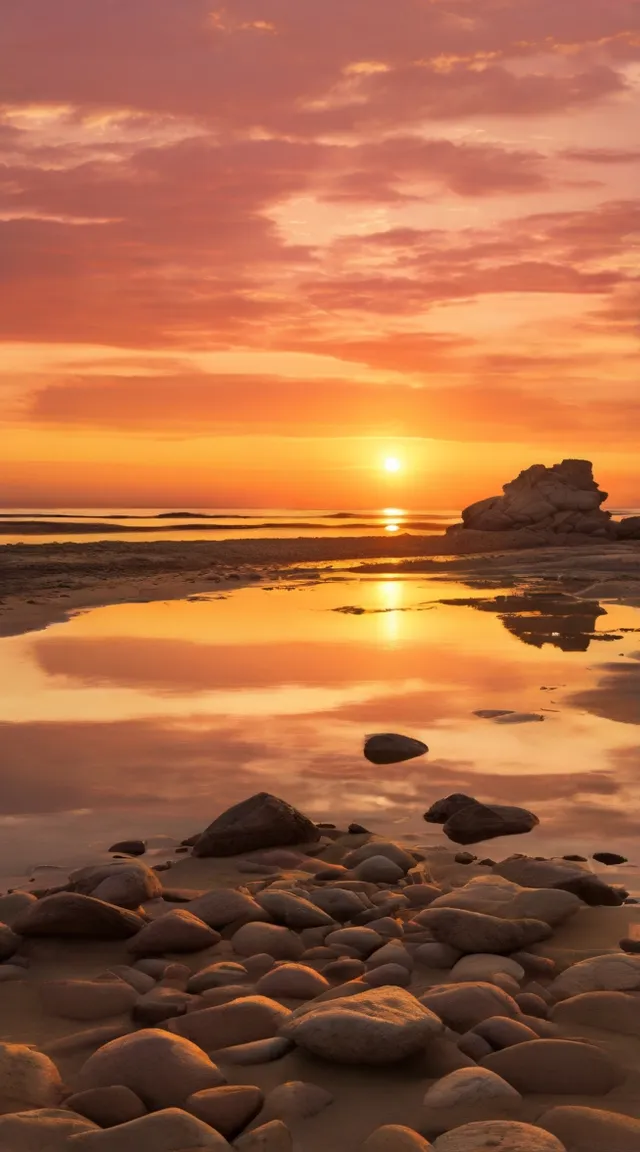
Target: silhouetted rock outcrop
543,506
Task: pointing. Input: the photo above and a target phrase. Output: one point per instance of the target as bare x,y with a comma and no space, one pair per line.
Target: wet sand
43,584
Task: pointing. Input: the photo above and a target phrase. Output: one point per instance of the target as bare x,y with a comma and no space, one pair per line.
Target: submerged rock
392,748
262,821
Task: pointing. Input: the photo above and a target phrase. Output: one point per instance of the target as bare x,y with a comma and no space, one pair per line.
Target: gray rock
378,870
388,848
73,915
362,940
391,748
339,903
388,974
262,821
478,822
127,883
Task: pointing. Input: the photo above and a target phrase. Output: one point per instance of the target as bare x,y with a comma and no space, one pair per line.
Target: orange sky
247,251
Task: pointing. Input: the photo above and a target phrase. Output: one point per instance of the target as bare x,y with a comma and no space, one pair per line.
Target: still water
149,719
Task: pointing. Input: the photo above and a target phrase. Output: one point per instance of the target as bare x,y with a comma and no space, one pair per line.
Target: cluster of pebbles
221,1016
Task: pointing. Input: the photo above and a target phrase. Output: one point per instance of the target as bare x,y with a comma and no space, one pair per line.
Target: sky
249,251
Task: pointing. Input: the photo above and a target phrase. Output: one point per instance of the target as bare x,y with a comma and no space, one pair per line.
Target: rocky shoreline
291,987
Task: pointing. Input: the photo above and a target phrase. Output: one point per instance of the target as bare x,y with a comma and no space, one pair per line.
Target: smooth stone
271,1137
169,1130
363,940
388,848
437,955
90,1039
380,1026
293,911
484,966
538,965
339,971
498,1136
176,931
421,895
228,1109
592,1130
392,748
610,859
86,999
378,870
223,906
239,1022
552,874
10,972
126,883
395,1138
391,953
477,822
71,914
468,1087
397,975
9,942
262,821
28,1079
279,942
442,810
255,1052
462,1006
130,847
476,932
217,975
41,1130
631,947
138,980
606,1011
257,965
611,972
557,1067
107,1107
162,1068
160,1004
474,1046
292,980
502,1032
214,997
552,905
295,1100
14,905
532,1005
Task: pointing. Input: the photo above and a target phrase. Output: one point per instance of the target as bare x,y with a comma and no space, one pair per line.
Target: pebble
293,911
71,914
485,967
608,1011
557,1067
126,883
160,1004
611,972
363,941
168,1130
340,903
379,1026
436,955
239,1022
271,1137
176,931
538,965
228,1109
130,847
392,748
292,980
387,848
462,1006
467,1087
279,942
107,1107
256,1052
474,1046
391,953
217,975
161,1068
532,1005
502,1032
378,870
28,1079
396,975
593,1130
339,971
395,1138
223,906
295,1100
421,895
87,999
138,980
498,1136
476,932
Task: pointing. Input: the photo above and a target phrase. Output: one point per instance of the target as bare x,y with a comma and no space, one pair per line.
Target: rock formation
556,505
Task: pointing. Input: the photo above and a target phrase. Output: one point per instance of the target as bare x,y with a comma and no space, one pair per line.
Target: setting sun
392,464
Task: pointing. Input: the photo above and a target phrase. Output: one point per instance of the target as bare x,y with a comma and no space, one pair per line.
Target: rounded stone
28,1079
395,1138
107,1107
295,1100
292,980
279,942
593,1130
498,1136
228,1109
363,940
611,972
485,966
161,1068
176,931
557,1067
469,1086
164,1131
238,1022
462,1006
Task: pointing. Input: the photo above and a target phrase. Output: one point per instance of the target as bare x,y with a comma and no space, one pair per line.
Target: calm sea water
28,526
149,719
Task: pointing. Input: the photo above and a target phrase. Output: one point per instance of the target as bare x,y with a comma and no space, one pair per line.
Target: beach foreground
307,996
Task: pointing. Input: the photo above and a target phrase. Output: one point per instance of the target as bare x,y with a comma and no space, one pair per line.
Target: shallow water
149,719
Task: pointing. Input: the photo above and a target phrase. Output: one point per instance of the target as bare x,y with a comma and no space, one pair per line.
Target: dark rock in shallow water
262,821
467,821
632,947
130,847
358,830
609,858
392,748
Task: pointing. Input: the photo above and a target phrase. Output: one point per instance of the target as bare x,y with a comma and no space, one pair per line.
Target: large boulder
628,528
566,875
262,821
556,1067
557,502
380,1026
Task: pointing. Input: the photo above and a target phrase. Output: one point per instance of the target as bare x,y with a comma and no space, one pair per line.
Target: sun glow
392,464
